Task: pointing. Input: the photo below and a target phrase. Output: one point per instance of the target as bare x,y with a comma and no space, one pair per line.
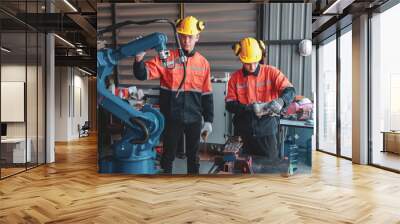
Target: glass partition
13,103
22,88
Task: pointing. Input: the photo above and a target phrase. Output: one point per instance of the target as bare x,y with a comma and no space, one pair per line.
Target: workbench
295,142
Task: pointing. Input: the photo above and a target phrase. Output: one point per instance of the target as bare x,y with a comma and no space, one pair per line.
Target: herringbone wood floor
71,191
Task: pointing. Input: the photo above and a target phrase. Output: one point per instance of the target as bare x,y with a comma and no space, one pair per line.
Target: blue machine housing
134,153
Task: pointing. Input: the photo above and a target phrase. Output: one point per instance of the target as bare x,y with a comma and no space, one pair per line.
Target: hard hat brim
188,33
250,60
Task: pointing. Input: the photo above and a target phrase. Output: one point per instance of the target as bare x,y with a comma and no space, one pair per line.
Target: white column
50,94
360,90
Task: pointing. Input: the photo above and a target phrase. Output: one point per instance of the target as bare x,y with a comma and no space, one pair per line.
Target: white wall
61,103
80,100
71,94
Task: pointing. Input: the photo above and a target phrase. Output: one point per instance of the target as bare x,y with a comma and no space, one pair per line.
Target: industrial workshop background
281,25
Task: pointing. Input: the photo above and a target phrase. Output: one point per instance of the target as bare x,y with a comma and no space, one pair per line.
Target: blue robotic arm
134,153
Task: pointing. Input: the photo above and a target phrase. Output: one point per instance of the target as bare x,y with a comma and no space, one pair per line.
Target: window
346,93
385,85
327,96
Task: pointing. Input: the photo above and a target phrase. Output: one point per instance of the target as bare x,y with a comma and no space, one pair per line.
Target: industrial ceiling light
86,72
70,5
331,7
5,50
337,7
80,51
65,41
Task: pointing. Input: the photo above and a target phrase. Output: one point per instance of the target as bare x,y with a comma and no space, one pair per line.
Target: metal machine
134,152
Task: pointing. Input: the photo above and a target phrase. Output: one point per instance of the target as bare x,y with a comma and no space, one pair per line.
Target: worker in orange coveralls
184,113
256,95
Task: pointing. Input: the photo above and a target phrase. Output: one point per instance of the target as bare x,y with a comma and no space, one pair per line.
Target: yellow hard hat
249,50
189,26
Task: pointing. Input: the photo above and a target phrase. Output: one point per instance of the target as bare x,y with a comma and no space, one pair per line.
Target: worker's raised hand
206,130
139,57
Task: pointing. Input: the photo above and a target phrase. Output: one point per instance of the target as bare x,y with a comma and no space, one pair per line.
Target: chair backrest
86,125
